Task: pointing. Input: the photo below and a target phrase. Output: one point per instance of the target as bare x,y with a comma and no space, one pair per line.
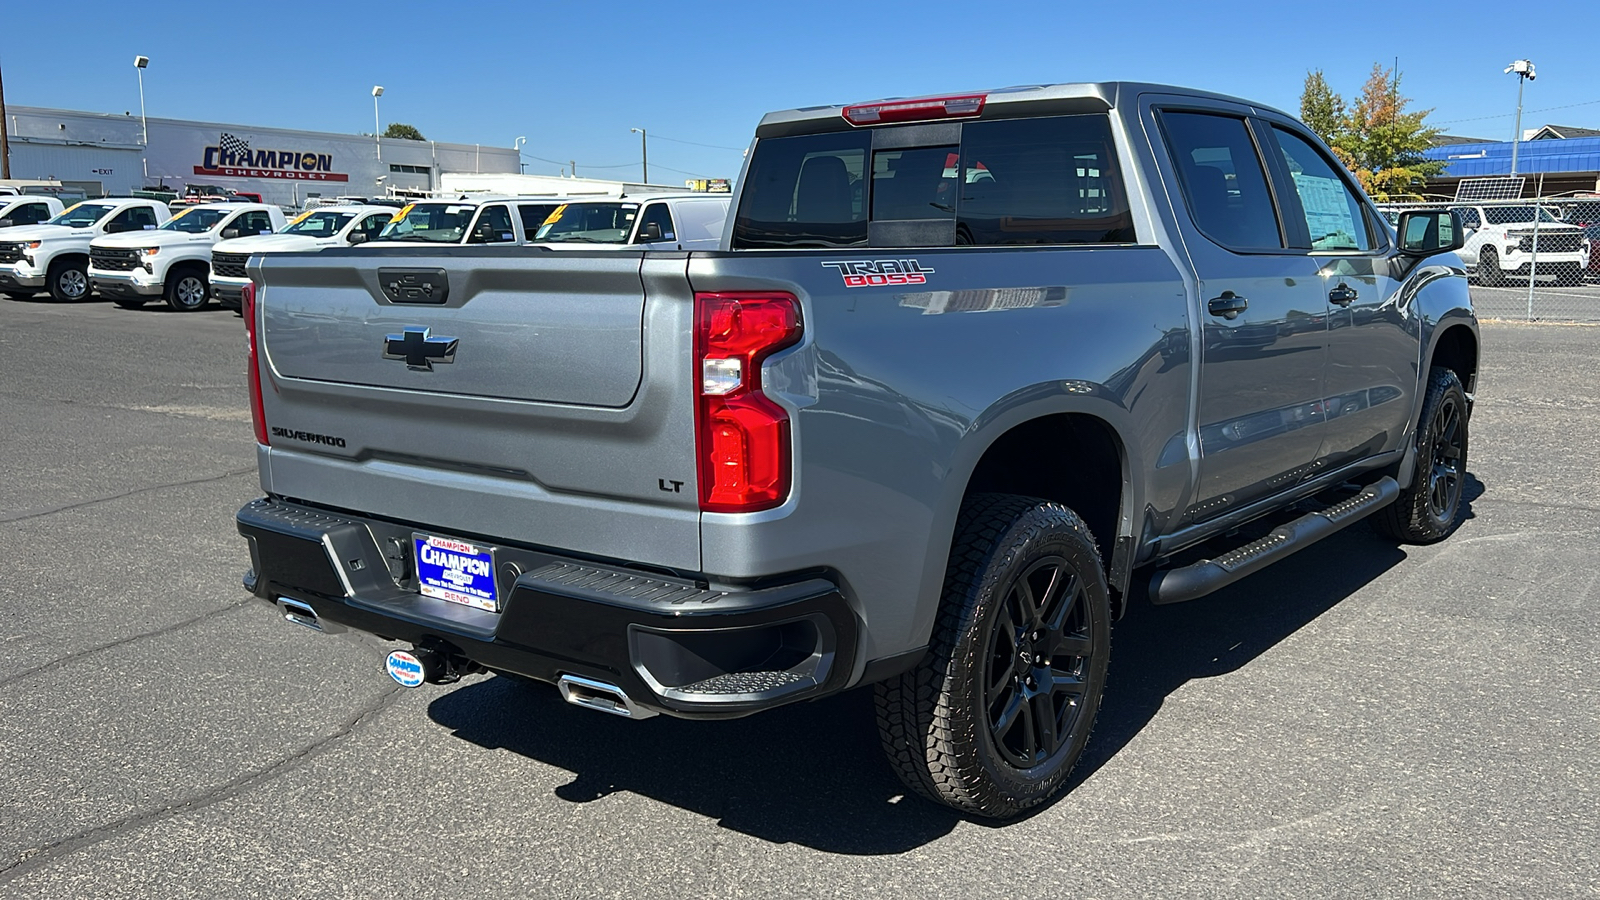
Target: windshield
443,223
195,220
1510,215
319,224
589,223
82,215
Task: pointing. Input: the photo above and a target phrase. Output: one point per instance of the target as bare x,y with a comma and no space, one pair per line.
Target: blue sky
574,77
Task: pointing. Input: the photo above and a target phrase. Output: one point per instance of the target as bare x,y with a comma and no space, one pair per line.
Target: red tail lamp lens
742,438
257,411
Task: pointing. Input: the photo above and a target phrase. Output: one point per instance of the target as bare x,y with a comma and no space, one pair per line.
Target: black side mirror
649,231
230,233
1424,232
358,237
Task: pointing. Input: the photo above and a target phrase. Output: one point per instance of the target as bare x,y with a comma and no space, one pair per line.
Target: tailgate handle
414,285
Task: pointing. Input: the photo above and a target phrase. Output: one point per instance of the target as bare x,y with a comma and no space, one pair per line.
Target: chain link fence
1530,258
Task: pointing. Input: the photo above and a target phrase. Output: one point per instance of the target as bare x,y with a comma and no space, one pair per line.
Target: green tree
1382,144
403,131
1320,108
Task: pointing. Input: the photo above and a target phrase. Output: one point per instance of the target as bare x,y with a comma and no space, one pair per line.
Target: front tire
187,290
69,281
1429,510
1489,272
994,718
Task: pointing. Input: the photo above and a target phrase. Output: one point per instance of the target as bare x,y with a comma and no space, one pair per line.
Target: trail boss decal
881,272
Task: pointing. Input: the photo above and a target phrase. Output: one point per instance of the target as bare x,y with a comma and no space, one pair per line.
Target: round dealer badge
405,668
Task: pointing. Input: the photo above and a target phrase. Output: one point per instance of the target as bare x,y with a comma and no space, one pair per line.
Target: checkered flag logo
234,147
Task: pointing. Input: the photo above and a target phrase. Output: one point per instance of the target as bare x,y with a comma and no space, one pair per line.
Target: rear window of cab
1035,181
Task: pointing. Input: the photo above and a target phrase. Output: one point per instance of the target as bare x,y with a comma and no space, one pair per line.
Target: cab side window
371,225
659,215
29,214
255,222
493,226
1469,218
134,218
1333,214
1223,180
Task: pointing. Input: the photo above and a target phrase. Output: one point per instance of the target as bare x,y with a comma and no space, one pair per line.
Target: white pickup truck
174,261
1500,244
659,222
330,226
28,209
475,220
55,255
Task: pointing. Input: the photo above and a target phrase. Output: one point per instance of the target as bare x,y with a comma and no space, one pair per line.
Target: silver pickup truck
968,377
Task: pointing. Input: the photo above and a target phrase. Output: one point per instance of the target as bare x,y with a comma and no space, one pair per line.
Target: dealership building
110,155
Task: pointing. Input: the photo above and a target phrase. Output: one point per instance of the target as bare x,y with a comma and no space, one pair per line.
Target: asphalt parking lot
1363,720
1549,303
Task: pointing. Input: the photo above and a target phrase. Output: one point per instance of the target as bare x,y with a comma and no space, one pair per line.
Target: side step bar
1201,578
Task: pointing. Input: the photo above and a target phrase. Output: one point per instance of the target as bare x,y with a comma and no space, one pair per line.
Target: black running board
1201,578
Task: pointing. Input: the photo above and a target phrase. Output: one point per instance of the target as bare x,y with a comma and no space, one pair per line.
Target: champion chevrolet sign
232,157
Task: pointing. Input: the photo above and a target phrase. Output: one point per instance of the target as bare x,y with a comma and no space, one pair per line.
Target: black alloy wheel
995,716
1037,664
1430,508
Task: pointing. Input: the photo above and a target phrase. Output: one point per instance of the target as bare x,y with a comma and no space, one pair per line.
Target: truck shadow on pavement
813,774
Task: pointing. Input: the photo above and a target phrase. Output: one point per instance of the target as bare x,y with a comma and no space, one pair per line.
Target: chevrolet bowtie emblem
419,350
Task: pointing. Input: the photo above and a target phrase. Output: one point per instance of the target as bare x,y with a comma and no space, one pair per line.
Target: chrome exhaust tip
300,613
607,698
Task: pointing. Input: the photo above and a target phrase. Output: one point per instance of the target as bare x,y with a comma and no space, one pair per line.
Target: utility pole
377,137
139,64
5,137
644,154
574,168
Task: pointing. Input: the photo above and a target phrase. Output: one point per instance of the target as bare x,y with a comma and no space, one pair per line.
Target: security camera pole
139,64
1524,70
5,138
377,91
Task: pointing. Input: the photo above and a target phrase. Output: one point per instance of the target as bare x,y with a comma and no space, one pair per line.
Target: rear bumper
673,645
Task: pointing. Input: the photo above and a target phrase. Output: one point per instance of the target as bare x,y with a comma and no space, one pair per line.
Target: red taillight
257,414
918,110
741,437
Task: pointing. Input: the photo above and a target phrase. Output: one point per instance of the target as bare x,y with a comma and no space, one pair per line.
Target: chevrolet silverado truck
968,378
473,220
659,222
329,226
28,209
1500,244
54,256
173,262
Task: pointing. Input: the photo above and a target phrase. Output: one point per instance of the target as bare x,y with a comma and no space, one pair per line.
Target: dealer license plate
456,571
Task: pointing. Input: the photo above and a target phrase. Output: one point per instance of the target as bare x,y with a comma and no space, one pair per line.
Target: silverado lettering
308,437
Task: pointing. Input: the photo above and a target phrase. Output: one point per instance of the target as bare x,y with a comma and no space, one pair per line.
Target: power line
662,137
1509,115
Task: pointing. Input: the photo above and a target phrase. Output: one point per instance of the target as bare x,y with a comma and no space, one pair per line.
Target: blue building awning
1574,155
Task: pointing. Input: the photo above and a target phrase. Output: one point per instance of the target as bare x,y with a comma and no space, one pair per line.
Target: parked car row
1545,240
134,250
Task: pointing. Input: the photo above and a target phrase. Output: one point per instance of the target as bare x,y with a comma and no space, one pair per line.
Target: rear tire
1430,509
187,290
994,718
1489,273
68,281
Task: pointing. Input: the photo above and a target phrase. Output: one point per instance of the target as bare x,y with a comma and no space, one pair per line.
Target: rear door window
493,226
659,215
1223,181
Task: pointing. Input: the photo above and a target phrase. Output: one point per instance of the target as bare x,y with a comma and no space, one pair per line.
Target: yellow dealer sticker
555,216
73,207
180,214
404,210
302,217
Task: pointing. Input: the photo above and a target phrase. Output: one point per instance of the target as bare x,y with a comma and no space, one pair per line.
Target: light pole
377,140
1524,70
139,64
517,146
644,153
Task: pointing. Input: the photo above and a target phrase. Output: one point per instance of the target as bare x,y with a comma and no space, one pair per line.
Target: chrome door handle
1343,295
1228,306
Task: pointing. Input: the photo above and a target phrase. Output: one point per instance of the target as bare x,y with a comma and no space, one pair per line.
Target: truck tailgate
547,400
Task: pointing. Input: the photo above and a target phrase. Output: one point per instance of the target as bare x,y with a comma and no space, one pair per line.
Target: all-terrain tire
944,723
1430,509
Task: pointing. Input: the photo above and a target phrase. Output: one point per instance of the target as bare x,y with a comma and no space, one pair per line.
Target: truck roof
1078,96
